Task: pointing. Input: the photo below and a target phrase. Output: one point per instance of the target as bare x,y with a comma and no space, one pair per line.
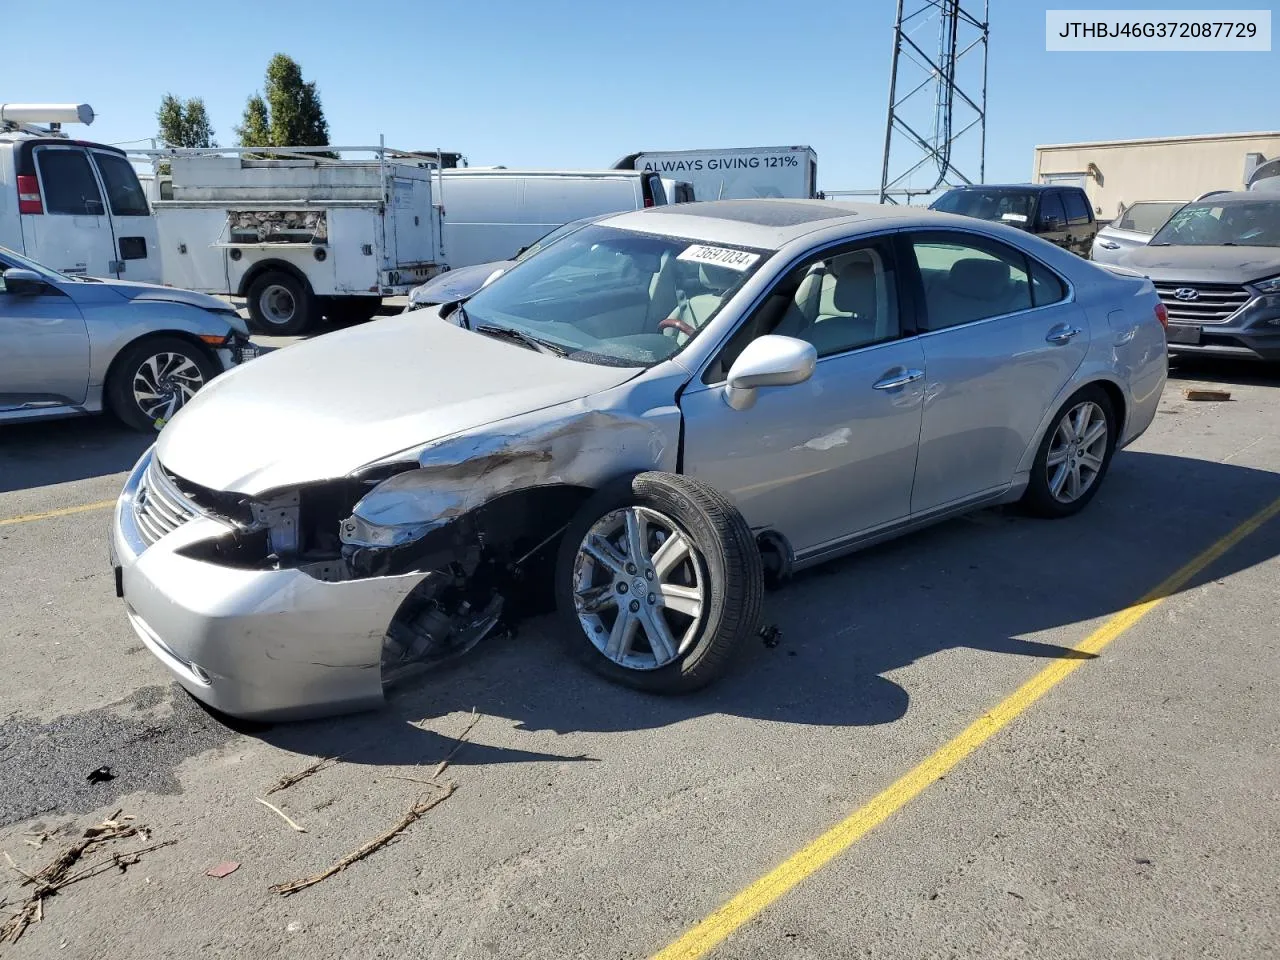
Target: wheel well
1116,396
114,365
266,266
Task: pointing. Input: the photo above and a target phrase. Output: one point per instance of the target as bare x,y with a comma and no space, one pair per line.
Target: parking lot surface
1129,811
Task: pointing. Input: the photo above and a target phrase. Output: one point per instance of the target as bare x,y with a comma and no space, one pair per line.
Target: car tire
177,367
715,566
1065,463
280,304
351,309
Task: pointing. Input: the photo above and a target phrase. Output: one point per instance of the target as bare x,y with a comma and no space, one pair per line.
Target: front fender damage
466,528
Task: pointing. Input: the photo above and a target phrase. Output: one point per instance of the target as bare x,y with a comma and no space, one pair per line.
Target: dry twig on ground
57,874
415,812
284,816
285,783
475,718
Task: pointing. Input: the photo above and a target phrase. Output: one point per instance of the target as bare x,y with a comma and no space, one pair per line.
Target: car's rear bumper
257,643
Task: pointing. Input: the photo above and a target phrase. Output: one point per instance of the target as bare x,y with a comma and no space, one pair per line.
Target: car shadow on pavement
46,452
1226,371
985,584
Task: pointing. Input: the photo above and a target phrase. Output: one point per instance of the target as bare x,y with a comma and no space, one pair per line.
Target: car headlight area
313,601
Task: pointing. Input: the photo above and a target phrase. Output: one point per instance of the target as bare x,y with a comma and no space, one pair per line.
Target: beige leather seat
974,288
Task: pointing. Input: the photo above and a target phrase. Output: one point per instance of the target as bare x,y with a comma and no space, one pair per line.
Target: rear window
1077,207
1003,206
68,181
124,192
1147,217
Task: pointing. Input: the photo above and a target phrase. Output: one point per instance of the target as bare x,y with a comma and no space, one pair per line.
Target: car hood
1205,264
156,291
456,284
326,407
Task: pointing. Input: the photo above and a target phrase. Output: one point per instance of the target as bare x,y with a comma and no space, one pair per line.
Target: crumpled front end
313,600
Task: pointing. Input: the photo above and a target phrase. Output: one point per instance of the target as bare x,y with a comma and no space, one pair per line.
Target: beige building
1116,173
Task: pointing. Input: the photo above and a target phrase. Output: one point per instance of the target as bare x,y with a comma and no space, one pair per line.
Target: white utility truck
72,205
736,173
299,232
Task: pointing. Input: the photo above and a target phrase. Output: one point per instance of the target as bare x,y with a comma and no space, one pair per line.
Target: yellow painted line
717,927
60,512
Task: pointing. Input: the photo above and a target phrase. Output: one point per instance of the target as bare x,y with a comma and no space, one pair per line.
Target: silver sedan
647,421
74,345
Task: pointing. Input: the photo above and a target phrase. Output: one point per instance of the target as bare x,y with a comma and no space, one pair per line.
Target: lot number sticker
719,256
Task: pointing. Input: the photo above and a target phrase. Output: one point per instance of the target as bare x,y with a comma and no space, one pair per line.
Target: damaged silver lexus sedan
645,421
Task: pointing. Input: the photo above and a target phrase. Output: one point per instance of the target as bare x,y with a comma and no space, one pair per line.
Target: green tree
184,123
287,114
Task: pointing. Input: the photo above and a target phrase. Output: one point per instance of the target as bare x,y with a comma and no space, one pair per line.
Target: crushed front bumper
273,644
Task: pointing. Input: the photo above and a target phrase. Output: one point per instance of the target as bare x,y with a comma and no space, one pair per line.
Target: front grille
1214,302
159,506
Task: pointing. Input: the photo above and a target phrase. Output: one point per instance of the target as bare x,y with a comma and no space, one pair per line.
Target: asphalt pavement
1129,810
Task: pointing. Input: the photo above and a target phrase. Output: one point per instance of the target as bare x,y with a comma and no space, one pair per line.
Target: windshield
1209,224
1147,217
1009,206
11,259
549,238
610,296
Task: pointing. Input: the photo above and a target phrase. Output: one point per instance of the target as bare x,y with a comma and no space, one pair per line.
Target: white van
75,206
490,214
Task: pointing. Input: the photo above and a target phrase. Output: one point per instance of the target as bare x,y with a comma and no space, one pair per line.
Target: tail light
29,195
1162,314
648,201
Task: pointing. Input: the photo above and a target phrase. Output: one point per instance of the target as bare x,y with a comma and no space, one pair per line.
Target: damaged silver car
646,422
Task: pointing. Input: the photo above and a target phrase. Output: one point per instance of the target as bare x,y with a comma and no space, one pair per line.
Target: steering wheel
675,323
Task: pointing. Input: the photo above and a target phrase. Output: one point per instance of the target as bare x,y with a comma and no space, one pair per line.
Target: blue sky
554,83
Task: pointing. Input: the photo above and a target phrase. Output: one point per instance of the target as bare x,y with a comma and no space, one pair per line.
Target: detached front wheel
659,580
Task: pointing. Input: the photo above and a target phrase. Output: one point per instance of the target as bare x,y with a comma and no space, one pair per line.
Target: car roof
1239,196
767,223
1015,186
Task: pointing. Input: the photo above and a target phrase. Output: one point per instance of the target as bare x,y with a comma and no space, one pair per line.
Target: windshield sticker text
719,256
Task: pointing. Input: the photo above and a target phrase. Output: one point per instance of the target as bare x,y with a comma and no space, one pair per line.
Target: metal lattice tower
926,123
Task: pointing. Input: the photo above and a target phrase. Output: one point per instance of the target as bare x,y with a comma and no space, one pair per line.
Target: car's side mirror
23,283
768,361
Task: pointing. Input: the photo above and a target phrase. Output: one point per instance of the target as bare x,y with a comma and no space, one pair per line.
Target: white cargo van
735,173
72,205
490,214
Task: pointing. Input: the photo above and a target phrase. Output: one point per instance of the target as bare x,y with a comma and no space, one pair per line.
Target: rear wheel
658,582
1074,455
281,304
153,379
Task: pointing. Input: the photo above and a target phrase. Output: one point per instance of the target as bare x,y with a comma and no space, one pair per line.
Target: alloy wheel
164,383
638,588
1077,452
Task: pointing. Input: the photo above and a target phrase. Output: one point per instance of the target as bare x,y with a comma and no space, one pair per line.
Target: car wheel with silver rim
659,580
1074,454
154,378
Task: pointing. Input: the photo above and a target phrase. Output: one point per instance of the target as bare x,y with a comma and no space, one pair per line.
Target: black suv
1061,215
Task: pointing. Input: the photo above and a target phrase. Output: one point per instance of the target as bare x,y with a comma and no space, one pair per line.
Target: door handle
1108,245
893,381
1063,336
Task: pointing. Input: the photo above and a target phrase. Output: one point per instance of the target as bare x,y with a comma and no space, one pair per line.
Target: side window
1052,215
968,278
124,192
1046,287
841,302
1077,207
69,184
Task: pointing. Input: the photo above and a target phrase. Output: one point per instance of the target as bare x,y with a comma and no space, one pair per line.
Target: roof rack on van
43,119
329,153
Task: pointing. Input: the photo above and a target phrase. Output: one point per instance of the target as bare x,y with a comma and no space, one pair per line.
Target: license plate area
1183,334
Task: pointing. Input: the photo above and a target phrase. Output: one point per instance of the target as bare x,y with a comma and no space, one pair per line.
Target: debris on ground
224,869
285,783
771,635
462,738
415,813
58,873
1199,393
284,816
101,775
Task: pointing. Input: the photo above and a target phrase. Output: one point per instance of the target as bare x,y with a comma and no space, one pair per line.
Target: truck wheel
658,582
281,304
152,379
351,309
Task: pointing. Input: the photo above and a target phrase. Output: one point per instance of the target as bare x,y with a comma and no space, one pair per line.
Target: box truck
735,173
